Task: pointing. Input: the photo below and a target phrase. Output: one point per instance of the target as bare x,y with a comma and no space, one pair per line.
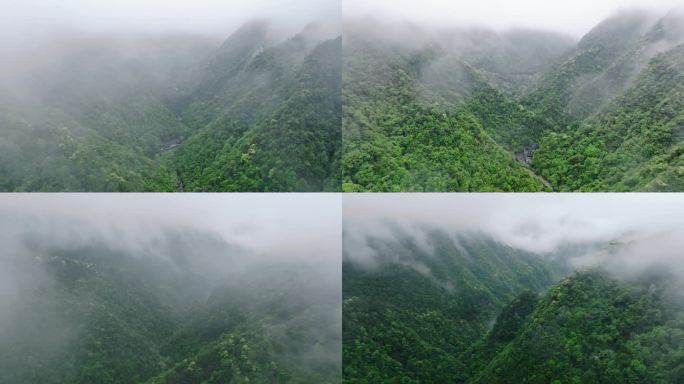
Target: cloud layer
571,17
647,229
285,224
27,24
204,16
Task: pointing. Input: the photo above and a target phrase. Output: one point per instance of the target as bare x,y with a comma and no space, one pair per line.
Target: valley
258,112
442,108
163,298
492,288
480,312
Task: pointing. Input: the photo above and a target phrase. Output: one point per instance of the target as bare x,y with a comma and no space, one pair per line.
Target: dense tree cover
92,117
635,145
256,114
509,322
276,125
410,316
397,137
405,320
617,101
508,122
593,72
430,112
589,328
58,152
193,309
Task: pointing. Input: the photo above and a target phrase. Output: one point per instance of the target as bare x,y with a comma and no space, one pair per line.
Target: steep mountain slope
428,307
409,315
451,110
595,70
616,102
187,307
255,114
92,116
589,328
275,123
405,127
637,145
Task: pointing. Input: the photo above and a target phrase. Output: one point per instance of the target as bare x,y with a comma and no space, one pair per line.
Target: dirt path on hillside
538,177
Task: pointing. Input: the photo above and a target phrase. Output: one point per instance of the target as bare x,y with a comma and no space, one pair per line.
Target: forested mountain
473,110
411,314
404,127
623,103
91,117
588,328
182,307
258,113
433,307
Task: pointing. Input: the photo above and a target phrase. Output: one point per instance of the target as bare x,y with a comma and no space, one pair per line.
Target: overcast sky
536,222
570,17
32,18
261,222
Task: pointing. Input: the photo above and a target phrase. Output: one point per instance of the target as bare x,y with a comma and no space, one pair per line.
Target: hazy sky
537,222
26,18
287,224
571,17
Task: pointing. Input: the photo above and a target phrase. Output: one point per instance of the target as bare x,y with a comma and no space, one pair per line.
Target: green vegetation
253,115
412,316
589,328
635,145
602,115
273,125
395,141
474,311
190,309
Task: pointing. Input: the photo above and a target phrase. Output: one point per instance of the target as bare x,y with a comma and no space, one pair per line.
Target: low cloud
28,20
625,232
571,17
252,243
297,225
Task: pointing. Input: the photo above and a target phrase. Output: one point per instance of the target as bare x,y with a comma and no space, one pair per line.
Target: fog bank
638,231
296,224
30,19
571,17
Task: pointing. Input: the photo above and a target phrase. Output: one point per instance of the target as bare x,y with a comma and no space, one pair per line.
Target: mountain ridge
104,131
554,119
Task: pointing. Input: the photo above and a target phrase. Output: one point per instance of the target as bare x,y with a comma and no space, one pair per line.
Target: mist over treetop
142,288
569,17
31,20
295,224
627,233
